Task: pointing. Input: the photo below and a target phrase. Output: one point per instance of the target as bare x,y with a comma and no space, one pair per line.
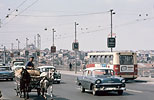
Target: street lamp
18,43
111,23
74,46
27,43
53,47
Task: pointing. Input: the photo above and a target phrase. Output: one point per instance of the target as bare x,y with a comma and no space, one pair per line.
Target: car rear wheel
120,92
94,91
82,88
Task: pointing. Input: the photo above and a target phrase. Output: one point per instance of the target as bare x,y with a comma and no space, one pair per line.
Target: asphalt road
68,90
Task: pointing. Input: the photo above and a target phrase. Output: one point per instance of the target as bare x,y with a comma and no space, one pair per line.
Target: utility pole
53,30
27,43
35,41
18,47
76,50
4,56
18,43
12,47
111,22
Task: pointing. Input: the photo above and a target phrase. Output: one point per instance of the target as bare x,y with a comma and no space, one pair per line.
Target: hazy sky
133,23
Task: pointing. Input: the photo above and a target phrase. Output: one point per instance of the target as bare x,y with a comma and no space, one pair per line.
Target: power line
84,14
22,3
22,11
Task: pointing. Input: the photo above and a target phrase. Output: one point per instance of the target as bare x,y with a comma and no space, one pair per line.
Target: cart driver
30,64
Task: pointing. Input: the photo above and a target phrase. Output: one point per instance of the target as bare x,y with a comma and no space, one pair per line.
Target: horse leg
27,93
51,91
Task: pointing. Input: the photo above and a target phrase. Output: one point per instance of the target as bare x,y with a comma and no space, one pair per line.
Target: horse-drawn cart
27,82
31,81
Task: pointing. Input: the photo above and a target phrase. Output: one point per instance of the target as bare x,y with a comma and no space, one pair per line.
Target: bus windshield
126,60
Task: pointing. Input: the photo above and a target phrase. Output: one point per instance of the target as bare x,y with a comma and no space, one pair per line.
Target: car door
88,79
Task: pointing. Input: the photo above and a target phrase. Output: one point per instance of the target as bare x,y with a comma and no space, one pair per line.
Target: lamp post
53,47
18,42
76,50
111,22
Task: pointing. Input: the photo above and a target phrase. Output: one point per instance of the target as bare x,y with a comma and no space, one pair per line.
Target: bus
124,64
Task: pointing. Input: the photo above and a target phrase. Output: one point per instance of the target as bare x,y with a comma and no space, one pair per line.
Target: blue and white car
100,79
6,73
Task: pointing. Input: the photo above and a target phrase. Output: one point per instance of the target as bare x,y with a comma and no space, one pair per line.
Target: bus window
126,60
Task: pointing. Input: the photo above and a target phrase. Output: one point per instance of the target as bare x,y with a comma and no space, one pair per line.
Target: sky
133,23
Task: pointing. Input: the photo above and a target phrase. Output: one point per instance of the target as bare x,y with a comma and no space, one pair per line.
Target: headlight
123,81
98,81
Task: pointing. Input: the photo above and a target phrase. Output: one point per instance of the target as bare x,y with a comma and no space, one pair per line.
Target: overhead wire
22,3
21,12
83,14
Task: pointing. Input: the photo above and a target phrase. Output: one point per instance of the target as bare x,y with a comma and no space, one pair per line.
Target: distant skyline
133,23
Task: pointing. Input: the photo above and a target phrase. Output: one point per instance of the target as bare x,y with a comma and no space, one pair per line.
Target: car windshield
4,69
19,64
103,72
47,69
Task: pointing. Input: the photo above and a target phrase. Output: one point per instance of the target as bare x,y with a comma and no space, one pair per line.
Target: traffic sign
53,49
111,42
75,46
26,52
38,53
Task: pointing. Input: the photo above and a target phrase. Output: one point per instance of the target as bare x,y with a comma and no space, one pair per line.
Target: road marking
134,91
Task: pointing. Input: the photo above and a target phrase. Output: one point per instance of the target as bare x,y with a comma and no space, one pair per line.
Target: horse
46,83
24,83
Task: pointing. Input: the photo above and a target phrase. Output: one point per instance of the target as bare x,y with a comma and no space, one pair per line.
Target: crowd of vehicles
104,72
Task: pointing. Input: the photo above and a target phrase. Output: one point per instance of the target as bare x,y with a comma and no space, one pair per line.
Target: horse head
25,75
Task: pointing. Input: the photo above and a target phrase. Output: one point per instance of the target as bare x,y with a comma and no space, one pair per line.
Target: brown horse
24,83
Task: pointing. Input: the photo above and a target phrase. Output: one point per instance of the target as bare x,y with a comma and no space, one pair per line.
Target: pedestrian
30,64
70,66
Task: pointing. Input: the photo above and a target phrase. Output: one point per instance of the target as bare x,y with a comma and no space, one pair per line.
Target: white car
18,65
45,69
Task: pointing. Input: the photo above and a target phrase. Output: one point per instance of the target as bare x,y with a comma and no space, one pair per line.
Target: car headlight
123,81
98,81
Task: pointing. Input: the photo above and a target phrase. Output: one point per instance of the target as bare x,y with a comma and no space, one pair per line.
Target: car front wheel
82,88
120,92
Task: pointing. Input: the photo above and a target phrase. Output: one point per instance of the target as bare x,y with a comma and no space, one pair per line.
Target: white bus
124,64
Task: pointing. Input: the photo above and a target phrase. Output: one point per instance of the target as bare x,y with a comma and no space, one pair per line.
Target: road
68,90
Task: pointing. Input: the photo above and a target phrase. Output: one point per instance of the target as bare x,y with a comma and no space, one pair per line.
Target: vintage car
57,75
6,73
100,79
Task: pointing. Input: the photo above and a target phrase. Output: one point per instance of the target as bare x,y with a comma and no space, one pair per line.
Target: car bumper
6,77
57,80
109,88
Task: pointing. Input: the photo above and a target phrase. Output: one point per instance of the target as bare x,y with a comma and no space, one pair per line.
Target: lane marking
130,90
